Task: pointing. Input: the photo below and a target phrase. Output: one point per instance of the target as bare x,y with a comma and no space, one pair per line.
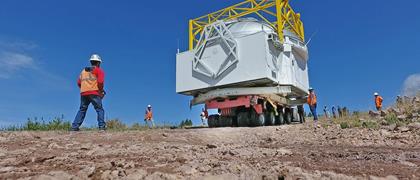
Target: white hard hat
95,57
310,89
149,106
376,94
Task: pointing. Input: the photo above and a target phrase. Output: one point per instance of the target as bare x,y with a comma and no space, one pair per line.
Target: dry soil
291,152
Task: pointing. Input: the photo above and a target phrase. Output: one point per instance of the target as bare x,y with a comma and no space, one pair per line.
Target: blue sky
360,47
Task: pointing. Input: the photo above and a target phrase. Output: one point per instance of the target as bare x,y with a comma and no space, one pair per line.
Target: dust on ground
291,152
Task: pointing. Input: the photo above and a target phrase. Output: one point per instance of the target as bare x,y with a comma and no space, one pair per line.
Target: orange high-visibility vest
148,115
89,82
378,101
312,99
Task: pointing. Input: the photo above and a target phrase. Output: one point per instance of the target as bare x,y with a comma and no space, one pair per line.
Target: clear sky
360,47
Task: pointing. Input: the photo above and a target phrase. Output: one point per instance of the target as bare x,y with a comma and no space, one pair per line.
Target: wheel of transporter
212,121
235,121
280,117
229,123
270,118
257,119
225,121
261,120
288,116
243,119
217,121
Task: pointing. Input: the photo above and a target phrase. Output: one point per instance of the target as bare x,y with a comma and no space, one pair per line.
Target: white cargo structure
255,72
243,53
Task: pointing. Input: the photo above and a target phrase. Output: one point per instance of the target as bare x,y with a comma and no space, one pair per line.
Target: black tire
229,122
217,122
288,116
261,120
235,121
243,119
212,121
225,121
280,117
221,121
270,119
257,119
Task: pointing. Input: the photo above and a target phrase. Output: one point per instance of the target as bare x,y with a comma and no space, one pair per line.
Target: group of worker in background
336,113
401,100
342,112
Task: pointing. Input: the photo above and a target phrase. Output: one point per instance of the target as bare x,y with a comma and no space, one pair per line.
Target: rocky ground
291,152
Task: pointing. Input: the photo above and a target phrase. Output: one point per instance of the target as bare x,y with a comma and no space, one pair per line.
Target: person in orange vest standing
148,117
91,84
312,105
378,101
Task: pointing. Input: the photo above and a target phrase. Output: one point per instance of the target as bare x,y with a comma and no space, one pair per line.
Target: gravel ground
291,152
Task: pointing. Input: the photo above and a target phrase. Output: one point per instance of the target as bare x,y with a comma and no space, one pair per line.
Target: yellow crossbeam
280,10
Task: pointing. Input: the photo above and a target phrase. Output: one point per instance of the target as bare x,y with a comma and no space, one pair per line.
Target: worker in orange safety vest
91,84
148,116
378,101
312,102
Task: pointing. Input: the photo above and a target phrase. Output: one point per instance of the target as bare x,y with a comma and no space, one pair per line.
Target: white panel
252,66
286,70
257,62
301,73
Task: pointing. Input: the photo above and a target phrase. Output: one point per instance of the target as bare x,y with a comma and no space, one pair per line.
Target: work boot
74,130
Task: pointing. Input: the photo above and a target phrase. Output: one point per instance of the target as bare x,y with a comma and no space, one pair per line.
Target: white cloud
17,46
11,63
411,85
15,57
17,60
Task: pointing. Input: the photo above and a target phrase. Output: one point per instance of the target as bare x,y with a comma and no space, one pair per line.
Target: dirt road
293,152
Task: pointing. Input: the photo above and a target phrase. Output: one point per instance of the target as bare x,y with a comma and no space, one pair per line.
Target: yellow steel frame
280,10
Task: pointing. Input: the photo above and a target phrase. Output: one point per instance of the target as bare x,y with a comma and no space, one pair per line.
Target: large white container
242,53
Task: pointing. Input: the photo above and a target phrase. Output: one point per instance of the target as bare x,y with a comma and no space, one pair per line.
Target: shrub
356,113
115,124
344,125
58,124
33,125
187,122
137,126
356,123
391,118
370,125
13,128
